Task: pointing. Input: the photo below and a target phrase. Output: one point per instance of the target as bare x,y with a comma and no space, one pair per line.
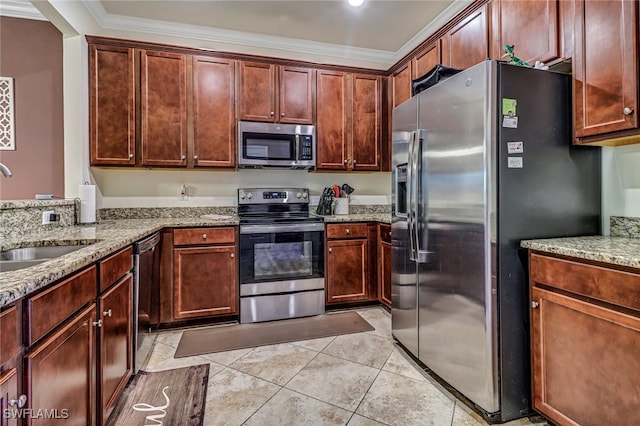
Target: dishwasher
146,295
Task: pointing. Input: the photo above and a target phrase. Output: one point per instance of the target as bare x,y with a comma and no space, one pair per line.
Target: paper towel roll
87,203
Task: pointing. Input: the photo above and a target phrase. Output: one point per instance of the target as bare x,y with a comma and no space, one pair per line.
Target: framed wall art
7,115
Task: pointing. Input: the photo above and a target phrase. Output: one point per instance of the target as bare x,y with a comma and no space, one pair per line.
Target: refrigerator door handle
420,254
411,173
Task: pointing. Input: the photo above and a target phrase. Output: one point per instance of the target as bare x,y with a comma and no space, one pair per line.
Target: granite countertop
105,238
359,217
615,250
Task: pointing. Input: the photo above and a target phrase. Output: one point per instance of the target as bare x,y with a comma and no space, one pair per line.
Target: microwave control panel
306,148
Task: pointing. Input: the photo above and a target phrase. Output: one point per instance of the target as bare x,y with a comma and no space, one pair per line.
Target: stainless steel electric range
281,255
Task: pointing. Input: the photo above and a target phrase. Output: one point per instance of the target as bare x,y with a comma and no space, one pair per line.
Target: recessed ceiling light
356,3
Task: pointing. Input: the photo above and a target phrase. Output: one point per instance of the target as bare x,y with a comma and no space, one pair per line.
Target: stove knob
250,195
298,195
304,195
242,195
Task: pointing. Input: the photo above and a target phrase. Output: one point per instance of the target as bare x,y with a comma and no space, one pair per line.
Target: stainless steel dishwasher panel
146,297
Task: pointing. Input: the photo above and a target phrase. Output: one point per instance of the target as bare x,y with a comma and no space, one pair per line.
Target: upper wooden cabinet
348,121
164,114
467,43
214,122
532,26
401,84
112,105
426,59
331,122
276,93
605,67
366,114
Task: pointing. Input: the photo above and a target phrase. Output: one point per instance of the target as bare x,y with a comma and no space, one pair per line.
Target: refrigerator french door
480,162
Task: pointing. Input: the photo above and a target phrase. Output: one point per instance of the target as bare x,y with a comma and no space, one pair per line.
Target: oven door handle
269,229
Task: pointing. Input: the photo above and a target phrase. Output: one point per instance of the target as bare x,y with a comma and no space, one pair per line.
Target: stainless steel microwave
276,145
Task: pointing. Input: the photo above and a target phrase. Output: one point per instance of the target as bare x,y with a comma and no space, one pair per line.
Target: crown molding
196,32
20,9
443,18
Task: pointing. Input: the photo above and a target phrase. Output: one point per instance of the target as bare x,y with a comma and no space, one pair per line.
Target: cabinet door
331,122
257,91
60,373
428,58
115,344
605,69
112,105
214,132
582,356
297,95
401,84
164,118
347,264
384,272
204,282
530,25
8,392
467,43
365,122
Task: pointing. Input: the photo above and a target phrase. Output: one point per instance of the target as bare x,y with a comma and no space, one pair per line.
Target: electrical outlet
183,195
46,216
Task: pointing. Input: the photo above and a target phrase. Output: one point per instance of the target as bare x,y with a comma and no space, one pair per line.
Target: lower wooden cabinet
350,275
60,373
115,344
8,398
204,272
585,335
384,264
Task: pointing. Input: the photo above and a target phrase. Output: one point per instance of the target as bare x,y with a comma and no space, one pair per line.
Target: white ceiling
381,31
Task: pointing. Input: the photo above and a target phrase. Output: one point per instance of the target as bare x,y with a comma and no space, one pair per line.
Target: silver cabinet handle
348,231
346,161
282,114
232,255
627,111
204,236
354,163
272,113
130,155
195,157
330,250
183,157
107,313
534,304
20,402
97,323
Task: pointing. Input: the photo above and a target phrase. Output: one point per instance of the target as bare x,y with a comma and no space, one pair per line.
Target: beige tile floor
360,379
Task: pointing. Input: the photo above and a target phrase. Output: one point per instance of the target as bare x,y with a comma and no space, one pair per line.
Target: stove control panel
273,195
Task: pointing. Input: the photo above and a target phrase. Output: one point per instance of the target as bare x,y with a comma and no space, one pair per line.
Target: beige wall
31,53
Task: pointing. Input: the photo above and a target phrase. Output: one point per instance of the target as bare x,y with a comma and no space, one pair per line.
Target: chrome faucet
5,171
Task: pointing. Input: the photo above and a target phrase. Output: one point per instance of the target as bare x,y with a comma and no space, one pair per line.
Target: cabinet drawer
49,308
607,285
9,340
115,266
194,236
385,233
350,230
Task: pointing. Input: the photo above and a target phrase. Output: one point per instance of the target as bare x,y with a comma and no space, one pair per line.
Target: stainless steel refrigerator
482,161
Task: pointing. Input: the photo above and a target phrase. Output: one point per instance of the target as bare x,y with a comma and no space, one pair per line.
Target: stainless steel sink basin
13,265
33,253
19,258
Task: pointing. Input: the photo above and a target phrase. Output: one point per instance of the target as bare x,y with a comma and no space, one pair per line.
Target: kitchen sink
14,265
20,258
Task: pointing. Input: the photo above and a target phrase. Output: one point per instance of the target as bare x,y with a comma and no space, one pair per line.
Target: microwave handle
297,148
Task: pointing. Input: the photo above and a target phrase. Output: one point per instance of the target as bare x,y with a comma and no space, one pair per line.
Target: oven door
278,258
